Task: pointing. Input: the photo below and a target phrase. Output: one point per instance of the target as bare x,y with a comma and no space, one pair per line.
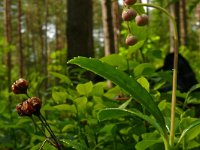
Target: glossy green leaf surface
125,81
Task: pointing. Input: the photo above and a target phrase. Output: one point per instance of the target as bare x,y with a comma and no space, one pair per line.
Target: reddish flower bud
142,20
20,86
131,40
36,104
128,14
130,2
29,107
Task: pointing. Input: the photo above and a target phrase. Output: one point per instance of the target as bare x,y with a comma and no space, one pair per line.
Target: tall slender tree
8,37
116,24
20,46
79,28
45,50
183,22
109,46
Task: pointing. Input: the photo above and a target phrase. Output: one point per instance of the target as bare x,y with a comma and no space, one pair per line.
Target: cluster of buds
29,107
32,106
130,14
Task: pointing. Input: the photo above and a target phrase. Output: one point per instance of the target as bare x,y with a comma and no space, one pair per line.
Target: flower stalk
175,69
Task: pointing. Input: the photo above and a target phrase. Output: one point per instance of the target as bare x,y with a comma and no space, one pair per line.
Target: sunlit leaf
85,89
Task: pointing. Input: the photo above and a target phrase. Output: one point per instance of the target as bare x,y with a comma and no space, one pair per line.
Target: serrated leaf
126,82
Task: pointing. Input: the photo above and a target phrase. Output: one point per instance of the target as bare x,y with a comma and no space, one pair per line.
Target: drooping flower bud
29,107
129,14
36,104
131,40
129,2
20,86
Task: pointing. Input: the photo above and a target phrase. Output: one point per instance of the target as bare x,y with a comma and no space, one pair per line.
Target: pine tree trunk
116,24
107,27
20,46
40,48
45,50
79,28
8,37
183,22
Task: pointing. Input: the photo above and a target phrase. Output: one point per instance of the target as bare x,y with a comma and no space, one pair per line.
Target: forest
100,75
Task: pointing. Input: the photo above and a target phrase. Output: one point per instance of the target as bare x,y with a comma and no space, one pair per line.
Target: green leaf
116,60
115,113
144,69
81,103
125,81
132,49
68,127
193,96
66,107
84,89
112,113
59,96
63,78
98,89
193,144
144,82
188,129
74,145
144,144
125,104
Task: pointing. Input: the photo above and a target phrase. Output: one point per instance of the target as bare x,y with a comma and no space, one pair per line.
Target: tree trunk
20,47
107,27
183,22
116,24
40,47
45,50
7,27
79,28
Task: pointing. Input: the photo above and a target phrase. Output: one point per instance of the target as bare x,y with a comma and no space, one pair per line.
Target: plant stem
46,125
36,126
41,147
174,82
